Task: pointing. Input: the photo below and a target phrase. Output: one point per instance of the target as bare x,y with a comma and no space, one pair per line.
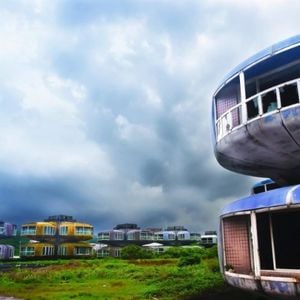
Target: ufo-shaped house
256,115
256,131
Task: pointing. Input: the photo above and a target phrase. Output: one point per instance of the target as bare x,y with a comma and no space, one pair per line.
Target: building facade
57,236
7,229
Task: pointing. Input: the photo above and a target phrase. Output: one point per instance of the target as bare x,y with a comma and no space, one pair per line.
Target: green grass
112,279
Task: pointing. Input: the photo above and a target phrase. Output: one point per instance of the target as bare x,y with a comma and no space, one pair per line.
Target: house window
278,240
289,94
103,253
82,251
269,101
62,250
63,230
28,230
146,235
159,236
104,236
228,97
81,230
117,252
27,251
49,230
236,243
181,236
48,251
171,236
118,236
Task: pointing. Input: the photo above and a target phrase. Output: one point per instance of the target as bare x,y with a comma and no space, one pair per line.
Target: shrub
188,260
213,265
175,252
135,252
211,252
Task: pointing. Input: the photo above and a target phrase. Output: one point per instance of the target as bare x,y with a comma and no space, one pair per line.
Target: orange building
58,236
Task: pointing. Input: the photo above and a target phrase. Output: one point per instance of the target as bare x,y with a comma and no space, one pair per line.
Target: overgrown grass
109,278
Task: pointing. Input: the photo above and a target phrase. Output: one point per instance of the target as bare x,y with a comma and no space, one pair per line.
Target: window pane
269,101
228,96
264,241
286,228
252,108
289,95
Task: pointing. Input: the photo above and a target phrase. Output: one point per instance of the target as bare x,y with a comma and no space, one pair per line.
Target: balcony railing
29,231
266,102
27,252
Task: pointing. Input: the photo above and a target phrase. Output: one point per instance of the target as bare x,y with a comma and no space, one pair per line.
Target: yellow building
57,236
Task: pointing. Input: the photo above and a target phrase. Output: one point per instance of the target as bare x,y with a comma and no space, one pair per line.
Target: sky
105,106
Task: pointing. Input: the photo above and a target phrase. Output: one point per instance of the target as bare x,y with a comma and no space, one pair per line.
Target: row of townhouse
63,236
145,235
128,233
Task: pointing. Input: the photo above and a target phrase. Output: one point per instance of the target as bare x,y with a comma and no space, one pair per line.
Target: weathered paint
243,282
288,287
270,199
265,147
279,287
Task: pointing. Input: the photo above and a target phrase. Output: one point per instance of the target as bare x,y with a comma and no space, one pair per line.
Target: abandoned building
256,131
57,236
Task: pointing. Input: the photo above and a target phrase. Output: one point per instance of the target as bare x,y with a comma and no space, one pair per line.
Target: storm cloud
105,106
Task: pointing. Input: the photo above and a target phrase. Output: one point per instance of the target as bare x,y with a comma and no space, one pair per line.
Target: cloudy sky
105,106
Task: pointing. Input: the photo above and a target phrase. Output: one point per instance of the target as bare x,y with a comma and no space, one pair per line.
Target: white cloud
146,193
133,133
152,98
98,94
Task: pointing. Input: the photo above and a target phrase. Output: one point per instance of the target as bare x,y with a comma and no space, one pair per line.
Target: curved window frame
224,123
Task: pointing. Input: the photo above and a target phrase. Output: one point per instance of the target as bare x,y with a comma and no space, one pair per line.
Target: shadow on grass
231,293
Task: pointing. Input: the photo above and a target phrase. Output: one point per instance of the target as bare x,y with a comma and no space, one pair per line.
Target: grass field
110,278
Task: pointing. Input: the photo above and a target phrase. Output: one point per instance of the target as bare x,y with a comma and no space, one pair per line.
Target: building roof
267,53
153,245
279,197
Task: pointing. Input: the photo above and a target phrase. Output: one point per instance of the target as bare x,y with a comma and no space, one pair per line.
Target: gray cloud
105,107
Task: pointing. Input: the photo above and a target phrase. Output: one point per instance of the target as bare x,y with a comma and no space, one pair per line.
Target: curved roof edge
271,50
278,197
262,182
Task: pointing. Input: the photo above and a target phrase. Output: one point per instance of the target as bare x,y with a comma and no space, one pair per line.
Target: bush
188,260
211,252
135,252
213,265
177,252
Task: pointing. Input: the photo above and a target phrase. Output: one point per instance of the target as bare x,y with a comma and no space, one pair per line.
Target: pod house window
81,230
236,244
63,230
279,240
289,94
228,97
82,251
48,251
48,230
